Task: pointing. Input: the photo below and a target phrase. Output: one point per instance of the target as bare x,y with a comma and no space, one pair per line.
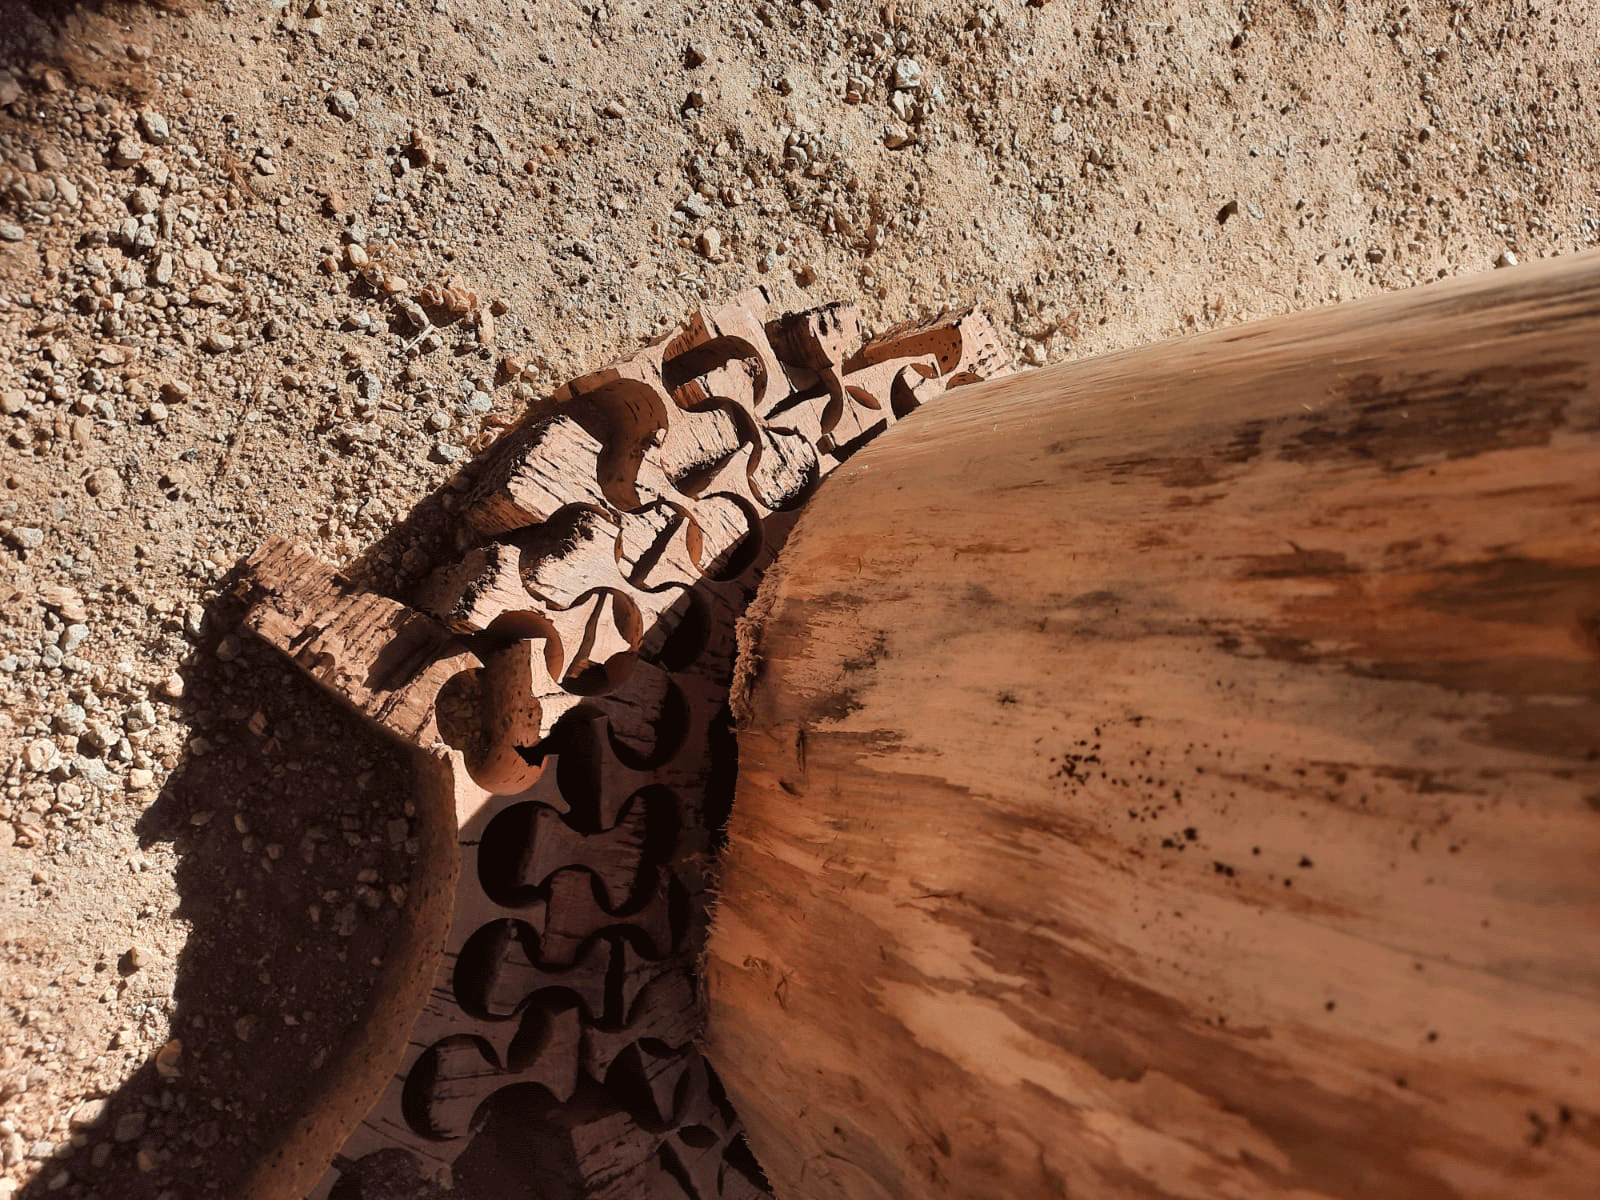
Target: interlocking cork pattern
572,670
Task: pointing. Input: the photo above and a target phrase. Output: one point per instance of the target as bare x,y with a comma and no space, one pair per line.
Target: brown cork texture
565,684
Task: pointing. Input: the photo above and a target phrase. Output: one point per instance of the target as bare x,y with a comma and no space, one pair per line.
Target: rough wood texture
1177,774
379,657
566,684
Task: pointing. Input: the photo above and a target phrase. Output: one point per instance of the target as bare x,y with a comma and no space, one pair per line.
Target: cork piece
570,672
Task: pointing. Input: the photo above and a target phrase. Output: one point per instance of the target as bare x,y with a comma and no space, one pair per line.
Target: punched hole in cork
526,843
501,965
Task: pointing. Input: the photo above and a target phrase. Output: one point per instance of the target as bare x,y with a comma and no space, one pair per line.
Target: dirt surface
271,267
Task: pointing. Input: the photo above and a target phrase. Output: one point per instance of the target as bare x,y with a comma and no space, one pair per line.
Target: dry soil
221,222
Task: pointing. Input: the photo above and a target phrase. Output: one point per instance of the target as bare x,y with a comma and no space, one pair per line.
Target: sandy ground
215,223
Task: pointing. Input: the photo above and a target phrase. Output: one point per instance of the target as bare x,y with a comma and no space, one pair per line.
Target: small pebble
710,242
167,1059
129,1127
39,754
127,151
10,232
154,127
343,105
907,73
88,1114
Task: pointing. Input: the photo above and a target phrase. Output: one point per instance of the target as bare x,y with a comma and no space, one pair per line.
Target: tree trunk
1178,774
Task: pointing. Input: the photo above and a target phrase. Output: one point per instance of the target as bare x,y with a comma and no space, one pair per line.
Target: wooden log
1177,774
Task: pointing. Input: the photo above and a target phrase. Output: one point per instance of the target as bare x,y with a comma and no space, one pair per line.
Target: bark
1178,774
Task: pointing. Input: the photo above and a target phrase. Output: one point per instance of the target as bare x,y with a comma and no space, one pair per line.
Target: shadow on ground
289,820
56,43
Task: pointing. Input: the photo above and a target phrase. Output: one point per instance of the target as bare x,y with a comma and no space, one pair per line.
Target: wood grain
1177,774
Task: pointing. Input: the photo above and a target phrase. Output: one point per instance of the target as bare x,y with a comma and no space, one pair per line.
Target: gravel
343,105
154,127
218,269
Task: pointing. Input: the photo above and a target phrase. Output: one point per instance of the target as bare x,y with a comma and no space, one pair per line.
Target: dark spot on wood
1304,861
1072,765
1190,500
838,705
875,652
1558,730
1245,444
1540,1130
1299,564
1519,591
1419,780
1589,632
1186,472
1287,649
1096,599
1414,420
